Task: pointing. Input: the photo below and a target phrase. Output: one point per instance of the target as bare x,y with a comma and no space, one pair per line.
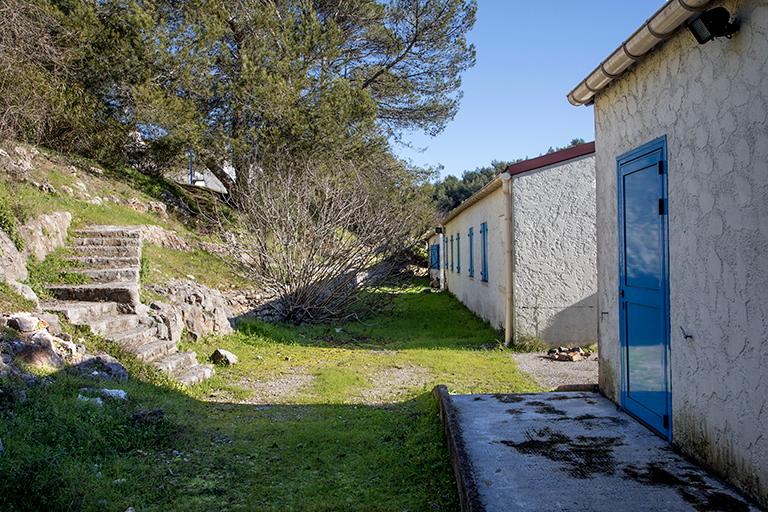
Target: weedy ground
312,418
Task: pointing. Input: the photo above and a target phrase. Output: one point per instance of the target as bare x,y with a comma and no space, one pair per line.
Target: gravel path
551,374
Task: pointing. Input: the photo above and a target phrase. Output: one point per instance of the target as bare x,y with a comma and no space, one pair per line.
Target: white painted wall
555,282
711,101
555,276
487,300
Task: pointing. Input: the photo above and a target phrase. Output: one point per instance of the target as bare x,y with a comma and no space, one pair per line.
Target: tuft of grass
54,269
10,301
529,343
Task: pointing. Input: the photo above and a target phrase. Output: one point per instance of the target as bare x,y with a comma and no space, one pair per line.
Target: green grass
10,301
160,264
54,269
342,439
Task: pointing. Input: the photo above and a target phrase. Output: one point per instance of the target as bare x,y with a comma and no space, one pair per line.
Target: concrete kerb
469,497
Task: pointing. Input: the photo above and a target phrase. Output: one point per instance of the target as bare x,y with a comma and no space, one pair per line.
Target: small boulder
114,394
25,291
223,357
39,356
24,322
91,399
148,416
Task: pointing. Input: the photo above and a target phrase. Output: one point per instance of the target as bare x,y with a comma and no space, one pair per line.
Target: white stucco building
682,224
520,252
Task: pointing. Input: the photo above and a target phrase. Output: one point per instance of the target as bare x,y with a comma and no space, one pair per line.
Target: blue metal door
643,285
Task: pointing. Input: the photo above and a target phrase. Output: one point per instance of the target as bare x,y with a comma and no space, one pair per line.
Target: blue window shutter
471,236
451,253
458,253
445,252
484,236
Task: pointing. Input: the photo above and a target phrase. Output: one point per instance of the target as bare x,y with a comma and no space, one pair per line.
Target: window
484,251
458,253
471,236
451,253
445,252
434,257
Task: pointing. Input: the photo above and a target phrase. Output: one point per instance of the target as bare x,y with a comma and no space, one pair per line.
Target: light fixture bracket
713,23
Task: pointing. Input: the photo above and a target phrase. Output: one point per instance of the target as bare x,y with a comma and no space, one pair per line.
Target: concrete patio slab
569,451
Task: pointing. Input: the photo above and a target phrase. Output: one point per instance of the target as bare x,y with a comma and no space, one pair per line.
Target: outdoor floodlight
438,230
713,23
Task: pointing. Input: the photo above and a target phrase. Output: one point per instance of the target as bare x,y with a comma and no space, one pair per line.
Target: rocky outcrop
31,343
45,233
156,235
202,310
42,235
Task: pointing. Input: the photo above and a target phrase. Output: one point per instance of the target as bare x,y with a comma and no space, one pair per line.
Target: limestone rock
13,264
163,237
24,322
103,366
203,310
45,233
91,399
148,416
39,356
170,317
25,291
158,208
223,357
113,394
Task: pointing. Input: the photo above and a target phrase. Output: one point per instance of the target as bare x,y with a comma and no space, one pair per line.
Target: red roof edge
552,158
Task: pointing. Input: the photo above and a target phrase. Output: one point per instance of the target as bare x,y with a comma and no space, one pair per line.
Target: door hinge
662,206
665,420
661,167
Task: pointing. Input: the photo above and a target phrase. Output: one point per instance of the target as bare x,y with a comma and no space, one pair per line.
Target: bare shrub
319,239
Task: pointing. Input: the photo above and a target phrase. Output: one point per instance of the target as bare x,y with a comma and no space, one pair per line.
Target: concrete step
195,374
134,336
101,262
122,293
112,275
114,325
107,251
176,364
79,312
107,241
108,232
153,350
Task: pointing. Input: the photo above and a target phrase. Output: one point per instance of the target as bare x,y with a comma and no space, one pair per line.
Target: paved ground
553,374
570,451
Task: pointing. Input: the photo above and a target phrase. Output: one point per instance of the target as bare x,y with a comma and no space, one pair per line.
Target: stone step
108,251
112,275
122,293
79,312
176,364
109,326
100,262
134,337
195,374
153,350
108,232
107,241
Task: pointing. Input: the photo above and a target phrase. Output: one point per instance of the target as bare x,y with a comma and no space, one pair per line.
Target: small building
681,123
520,252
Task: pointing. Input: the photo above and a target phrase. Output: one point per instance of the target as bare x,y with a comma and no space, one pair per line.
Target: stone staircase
110,256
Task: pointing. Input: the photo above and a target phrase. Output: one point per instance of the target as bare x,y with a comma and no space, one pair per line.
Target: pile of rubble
568,354
36,341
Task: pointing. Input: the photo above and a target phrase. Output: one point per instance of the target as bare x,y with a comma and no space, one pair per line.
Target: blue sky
529,56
